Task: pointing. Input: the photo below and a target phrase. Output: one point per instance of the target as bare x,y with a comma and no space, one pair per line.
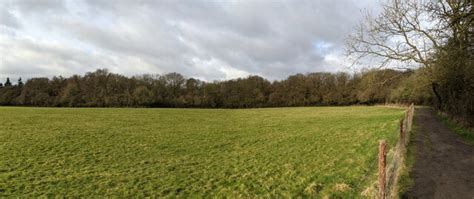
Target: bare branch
406,31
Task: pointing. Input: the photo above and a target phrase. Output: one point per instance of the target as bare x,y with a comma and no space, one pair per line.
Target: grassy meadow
307,152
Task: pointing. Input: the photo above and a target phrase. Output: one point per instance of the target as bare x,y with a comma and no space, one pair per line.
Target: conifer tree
20,83
8,83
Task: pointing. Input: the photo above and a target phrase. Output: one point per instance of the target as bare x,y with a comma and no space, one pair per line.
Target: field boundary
391,163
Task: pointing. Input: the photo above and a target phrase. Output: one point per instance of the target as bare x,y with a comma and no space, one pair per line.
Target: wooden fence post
402,133
382,157
412,112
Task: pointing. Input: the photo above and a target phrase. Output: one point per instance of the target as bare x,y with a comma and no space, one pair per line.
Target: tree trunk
434,86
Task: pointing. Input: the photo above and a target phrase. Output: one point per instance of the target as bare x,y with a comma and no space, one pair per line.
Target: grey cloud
8,19
38,6
208,39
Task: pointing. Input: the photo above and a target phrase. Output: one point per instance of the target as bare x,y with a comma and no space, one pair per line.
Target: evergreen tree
8,83
20,83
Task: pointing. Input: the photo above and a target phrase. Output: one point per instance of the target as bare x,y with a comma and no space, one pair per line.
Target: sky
209,40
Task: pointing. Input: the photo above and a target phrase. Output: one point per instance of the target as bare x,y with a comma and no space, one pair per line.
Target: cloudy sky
206,39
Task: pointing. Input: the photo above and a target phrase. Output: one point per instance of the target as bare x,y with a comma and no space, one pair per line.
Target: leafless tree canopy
409,31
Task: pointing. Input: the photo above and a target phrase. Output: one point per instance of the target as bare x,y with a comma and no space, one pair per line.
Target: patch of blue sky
322,47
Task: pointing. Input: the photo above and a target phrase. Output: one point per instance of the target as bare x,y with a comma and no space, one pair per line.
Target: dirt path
444,164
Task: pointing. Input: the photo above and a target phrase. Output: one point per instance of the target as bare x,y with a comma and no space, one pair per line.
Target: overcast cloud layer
204,39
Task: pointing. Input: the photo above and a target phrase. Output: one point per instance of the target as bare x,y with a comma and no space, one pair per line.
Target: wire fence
392,163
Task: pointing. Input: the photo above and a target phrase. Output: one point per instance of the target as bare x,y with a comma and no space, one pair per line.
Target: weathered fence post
412,112
382,157
402,133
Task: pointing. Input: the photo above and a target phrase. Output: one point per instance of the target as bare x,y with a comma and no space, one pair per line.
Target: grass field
320,151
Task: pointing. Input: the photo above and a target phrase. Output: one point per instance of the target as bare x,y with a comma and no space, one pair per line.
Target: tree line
443,49
102,88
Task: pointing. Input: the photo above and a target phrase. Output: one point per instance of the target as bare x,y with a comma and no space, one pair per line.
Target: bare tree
413,32
408,31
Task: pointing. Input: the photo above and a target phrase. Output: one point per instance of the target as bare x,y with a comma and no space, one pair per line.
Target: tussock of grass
286,152
406,181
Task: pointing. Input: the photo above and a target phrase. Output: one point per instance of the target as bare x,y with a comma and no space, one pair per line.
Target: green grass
307,152
465,133
406,181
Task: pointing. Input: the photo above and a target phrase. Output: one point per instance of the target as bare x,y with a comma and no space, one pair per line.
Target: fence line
391,163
